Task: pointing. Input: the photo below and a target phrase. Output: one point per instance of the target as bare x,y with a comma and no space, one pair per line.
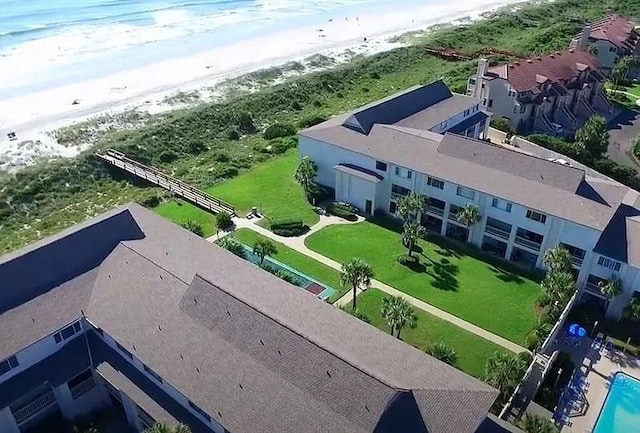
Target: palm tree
232,245
557,259
632,311
409,205
305,175
357,273
558,286
443,352
264,248
412,231
398,313
469,216
536,424
537,335
162,427
194,227
611,287
504,371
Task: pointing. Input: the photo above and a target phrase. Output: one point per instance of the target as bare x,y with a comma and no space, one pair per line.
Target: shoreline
42,113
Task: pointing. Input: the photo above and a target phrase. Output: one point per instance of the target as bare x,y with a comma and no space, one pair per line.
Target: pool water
621,410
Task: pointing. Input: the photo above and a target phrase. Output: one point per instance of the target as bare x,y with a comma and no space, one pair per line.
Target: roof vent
328,373
552,56
529,61
195,300
159,328
558,53
279,353
517,63
33,319
181,357
134,347
261,342
219,414
81,311
240,385
367,408
572,50
160,276
539,58
197,369
511,66
228,313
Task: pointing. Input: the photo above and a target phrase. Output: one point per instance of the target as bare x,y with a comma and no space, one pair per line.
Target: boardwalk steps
156,177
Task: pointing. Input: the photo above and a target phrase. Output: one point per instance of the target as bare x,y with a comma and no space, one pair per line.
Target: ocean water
44,43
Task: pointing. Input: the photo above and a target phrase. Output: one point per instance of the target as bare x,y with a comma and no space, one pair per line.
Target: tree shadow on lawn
443,272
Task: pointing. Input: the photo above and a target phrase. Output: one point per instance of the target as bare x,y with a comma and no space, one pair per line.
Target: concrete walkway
298,244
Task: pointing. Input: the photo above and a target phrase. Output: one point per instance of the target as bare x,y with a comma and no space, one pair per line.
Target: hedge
288,228
342,211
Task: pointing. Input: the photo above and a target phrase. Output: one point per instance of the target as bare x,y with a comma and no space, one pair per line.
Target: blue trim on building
468,123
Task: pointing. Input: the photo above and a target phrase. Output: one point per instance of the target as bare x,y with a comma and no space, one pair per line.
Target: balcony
436,206
453,212
497,228
576,261
529,239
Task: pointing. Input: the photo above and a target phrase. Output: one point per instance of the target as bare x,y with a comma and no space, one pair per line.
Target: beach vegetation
50,196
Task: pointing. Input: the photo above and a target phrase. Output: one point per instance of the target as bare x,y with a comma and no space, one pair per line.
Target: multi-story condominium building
131,310
609,39
553,94
527,204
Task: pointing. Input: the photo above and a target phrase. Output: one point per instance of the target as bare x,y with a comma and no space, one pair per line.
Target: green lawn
180,211
450,277
270,187
473,351
298,261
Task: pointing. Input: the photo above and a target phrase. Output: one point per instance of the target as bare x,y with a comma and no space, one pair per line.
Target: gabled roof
420,107
530,74
534,182
615,29
620,240
256,353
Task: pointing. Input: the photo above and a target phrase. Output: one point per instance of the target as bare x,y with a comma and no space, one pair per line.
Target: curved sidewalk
297,243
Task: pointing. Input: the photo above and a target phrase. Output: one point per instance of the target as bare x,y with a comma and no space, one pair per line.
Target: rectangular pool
621,410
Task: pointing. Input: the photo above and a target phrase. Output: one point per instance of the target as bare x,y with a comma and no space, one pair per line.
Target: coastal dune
35,114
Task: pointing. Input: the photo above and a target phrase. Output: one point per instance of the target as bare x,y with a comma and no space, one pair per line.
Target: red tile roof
560,66
615,29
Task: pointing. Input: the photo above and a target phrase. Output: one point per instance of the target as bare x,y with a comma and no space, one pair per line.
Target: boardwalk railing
155,176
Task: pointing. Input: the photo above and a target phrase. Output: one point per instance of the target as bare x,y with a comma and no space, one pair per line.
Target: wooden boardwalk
156,177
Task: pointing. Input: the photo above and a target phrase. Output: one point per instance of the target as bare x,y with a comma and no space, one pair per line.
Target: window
612,49
400,190
512,93
536,216
498,203
490,103
466,192
443,124
152,373
472,81
466,112
435,183
123,350
8,364
402,173
202,413
382,166
392,207
67,332
608,263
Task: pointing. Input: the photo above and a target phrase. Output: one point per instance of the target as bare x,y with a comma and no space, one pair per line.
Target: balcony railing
593,288
495,231
34,407
435,210
82,387
453,216
576,261
527,243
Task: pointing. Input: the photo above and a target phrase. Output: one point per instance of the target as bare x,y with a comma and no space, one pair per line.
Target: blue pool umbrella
573,329
582,332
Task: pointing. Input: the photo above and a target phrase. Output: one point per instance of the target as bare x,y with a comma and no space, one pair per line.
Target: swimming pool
621,410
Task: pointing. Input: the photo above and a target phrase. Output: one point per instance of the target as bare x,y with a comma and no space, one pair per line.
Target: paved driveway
622,130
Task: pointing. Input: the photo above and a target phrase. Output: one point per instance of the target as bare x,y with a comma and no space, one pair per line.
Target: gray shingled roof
524,179
253,351
421,107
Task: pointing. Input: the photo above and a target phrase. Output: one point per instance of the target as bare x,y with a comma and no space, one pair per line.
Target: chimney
483,65
481,71
584,38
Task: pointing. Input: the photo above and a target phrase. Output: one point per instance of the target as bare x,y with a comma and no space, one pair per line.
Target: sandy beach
33,116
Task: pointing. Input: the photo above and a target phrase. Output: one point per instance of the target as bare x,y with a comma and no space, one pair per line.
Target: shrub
223,221
152,201
443,352
635,146
288,228
323,193
194,227
282,144
502,124
221,157
232,245
279,130
307,122
342,210
245,123
168,156
233,135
